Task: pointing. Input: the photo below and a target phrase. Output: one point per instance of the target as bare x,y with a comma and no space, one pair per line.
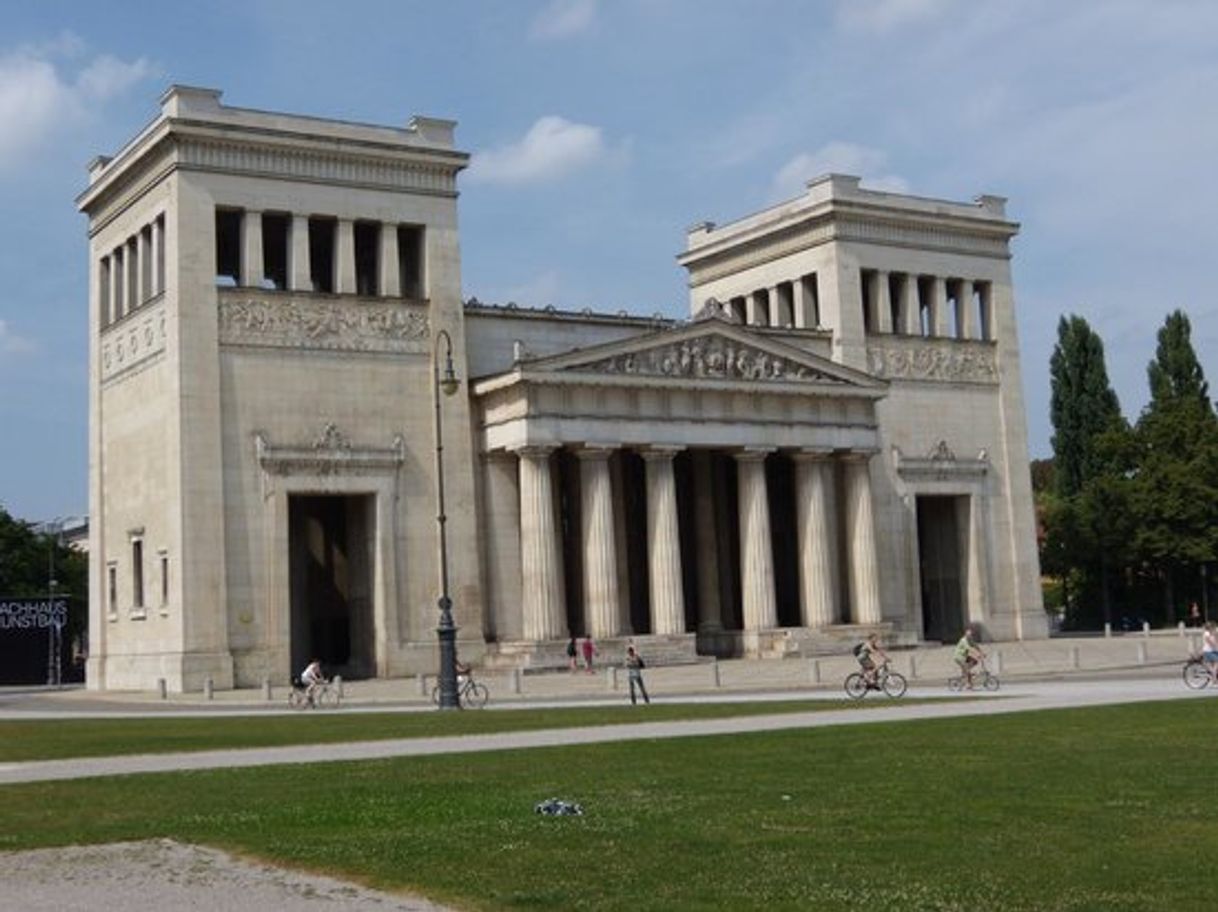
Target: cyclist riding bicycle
1209,649
870,657
311,679
968,655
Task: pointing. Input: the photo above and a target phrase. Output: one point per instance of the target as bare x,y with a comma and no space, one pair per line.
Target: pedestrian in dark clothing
634,667
572,654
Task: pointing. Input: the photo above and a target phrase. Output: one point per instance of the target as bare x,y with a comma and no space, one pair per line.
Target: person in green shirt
968,654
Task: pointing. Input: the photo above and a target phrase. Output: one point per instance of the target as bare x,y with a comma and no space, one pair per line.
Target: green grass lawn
60,738
1091,809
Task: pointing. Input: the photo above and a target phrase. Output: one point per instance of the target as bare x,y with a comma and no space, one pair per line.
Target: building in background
833,442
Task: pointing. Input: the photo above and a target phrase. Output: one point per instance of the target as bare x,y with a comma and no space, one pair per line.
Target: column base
783,642
672,649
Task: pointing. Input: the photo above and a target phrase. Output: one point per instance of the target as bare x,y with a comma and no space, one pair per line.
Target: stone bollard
266,689
1141,653
514,681
997,662
338,685
420,684
1107,630
714,669
913,665
1146,628
162,689
209,688
1073,657
1180,629
611,678
814,670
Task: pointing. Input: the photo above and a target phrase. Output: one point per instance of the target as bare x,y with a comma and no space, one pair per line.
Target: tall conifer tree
1082,407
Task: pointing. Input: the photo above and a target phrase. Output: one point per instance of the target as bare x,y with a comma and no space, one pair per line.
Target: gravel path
167,875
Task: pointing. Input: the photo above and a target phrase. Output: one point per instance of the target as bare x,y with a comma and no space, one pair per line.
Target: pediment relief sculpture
711,357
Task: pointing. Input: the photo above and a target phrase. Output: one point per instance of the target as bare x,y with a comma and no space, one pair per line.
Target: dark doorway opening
941,567
780,486
330,545
634,508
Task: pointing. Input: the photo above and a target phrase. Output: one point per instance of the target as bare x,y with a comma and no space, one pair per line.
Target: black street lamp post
446,632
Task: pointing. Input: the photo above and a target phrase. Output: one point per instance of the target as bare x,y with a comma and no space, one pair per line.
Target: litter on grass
556,807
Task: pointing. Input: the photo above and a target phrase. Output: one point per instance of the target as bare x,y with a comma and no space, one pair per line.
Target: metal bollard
209,688
514,681
611,677
814,670
1107,630
338,685
162,689
1073,657
714,668
997,662
266,689
1141,653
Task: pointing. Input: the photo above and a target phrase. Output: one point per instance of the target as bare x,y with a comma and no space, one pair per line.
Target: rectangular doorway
330,542
941,566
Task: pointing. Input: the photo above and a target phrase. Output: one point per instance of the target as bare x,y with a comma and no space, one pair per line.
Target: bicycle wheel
856,687
296,698
956,684
990,682
475,695
894,684
1196,675
328,698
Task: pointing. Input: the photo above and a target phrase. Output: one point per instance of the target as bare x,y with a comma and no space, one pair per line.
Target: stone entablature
331,452
298,320
941,464
134,341
934,360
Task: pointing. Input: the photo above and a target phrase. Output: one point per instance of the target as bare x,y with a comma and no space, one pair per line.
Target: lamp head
449,382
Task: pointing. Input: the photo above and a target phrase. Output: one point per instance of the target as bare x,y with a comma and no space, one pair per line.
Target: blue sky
602,129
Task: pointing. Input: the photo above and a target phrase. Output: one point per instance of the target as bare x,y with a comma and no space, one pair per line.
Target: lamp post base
446,633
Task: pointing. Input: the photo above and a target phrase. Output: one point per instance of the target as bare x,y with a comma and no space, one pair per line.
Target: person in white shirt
1209,649
312,678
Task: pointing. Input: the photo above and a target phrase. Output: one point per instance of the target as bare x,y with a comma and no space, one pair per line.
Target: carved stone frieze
133,341
282,320
330,453
942,360
941,464
710,357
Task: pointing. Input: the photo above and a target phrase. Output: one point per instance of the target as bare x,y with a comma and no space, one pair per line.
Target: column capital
859,455
657,453
812,454
534,450
595,452
753,454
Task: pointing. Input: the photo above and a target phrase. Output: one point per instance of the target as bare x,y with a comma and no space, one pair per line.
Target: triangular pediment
707,349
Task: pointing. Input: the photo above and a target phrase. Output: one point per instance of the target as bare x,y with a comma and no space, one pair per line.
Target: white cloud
837,158
562,19
13,344
886,15
552,148
37,99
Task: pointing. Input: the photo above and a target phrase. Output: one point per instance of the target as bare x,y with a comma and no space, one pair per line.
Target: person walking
589,651
634,668
572,655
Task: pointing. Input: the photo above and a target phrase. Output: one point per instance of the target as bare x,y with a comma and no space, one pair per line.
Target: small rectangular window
228,246
137,573
275,249
411,258
164,556
321,253
112,586
367,257
895,287
867,280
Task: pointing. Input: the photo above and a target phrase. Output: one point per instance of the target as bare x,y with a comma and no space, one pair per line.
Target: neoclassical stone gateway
833,442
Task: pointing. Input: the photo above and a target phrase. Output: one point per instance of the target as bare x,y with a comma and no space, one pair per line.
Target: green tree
1176,490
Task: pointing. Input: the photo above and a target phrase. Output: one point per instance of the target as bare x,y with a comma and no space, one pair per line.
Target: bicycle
470,693
891,682
325,696
981,676
1196,673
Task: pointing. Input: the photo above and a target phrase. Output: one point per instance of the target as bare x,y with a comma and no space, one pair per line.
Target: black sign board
31,635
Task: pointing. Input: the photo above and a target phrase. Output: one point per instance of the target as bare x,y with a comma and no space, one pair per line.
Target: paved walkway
1019,697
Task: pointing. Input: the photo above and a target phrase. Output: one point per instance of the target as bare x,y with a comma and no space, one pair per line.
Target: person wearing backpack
634,668
870,657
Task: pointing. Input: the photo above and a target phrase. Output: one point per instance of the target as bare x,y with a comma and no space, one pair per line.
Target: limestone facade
833,442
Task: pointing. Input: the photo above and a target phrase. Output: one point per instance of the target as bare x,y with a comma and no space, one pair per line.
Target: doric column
664,544
860,537
708,601
158,257
883,303
817,533
965,322
801,306
940,320
541,579
601,600
300,276
251,249
390,279
144,292
910,307
344,257
752,309
779,315
756,550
